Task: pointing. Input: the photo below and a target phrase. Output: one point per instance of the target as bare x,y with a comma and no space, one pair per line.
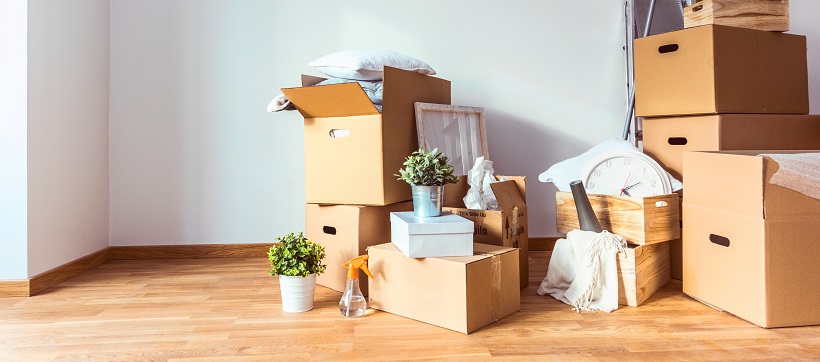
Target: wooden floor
229,309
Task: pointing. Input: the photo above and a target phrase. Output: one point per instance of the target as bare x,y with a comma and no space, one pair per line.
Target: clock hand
631,186
623,189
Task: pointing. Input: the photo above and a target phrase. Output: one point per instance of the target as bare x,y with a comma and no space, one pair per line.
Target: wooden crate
639,220
642,270
768,15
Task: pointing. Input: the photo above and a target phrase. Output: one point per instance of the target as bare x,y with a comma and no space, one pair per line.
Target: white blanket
583,271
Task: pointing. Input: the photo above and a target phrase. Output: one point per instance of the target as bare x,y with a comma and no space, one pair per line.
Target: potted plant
427,173
297,261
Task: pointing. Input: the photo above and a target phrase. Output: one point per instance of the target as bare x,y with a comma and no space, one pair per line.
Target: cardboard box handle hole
339,133
677,141
329,230
668,48
720,240
697,8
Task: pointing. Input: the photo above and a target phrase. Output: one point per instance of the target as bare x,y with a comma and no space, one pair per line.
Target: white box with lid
422,237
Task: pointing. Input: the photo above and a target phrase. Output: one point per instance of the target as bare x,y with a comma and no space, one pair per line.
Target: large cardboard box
750,247
720,69
346,231
505,227
424,237
351,151
769,15
461,293
639,220
666,139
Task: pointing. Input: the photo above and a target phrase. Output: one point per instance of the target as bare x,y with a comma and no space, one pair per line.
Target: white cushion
366,64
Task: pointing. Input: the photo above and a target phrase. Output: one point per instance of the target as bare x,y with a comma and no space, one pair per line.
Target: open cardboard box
351,151
750,247
666,138
506,227
720,69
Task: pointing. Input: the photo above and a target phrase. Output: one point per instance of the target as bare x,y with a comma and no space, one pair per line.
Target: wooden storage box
641,221
642,270
768,15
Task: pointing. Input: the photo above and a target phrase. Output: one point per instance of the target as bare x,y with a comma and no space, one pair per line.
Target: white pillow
366,64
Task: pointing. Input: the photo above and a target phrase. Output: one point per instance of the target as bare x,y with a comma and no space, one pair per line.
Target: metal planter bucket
427,200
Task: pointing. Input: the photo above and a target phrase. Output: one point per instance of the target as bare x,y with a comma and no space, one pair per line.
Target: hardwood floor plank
230,310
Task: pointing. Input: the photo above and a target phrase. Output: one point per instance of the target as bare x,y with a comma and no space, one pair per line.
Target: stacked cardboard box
351,155
356,205
726,89
646,223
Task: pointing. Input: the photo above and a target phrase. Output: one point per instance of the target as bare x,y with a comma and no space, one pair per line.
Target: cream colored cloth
799,172
583,271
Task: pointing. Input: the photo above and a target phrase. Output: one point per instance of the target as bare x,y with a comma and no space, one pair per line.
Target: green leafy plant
427,169
295,255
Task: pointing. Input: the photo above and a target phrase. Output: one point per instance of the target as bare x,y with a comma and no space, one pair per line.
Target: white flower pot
297,293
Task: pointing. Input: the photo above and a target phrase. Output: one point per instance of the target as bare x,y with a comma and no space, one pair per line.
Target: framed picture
457,131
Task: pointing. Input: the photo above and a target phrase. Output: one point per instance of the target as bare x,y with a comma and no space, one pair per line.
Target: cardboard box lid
738,182
400,88
447,223
480,252
508,195
332,100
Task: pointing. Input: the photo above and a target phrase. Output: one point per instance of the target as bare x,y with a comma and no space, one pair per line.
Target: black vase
586,217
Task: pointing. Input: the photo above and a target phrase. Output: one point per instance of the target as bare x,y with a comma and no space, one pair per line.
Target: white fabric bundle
480,196
583,271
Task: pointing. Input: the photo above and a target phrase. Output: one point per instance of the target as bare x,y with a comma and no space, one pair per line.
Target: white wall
195,159
68,66
803,15
13,261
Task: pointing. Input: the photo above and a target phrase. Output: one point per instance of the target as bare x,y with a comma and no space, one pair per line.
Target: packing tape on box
496,287
514,234
495,284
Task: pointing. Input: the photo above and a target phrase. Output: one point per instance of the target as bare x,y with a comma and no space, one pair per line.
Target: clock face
626,174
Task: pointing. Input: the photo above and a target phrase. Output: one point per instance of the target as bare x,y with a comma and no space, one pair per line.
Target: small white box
422,237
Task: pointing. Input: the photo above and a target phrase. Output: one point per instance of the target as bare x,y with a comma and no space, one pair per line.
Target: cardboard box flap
780,202
402,89
332,100
730,181
507,194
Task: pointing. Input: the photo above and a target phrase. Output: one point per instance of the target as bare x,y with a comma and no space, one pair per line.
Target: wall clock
625,173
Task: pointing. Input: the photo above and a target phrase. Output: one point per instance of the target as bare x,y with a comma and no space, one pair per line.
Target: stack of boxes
732,91
352,153
646,223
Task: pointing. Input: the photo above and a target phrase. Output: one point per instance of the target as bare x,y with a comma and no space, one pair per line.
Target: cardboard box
351,151
666,139
720,69
642,270
750,247
768,15
423,237
459,293
640,220
505,227
346,231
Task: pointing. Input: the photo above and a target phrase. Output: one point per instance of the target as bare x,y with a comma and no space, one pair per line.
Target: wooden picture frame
458,131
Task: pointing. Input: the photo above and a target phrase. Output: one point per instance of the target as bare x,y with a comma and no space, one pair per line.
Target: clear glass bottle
352,303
